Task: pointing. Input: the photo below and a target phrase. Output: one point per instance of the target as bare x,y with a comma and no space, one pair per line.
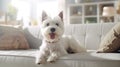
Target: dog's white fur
56,45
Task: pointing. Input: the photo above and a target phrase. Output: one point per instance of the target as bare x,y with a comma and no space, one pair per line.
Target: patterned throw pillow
12,38
111,41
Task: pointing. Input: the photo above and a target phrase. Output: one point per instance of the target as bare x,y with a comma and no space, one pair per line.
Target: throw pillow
111,41
12,38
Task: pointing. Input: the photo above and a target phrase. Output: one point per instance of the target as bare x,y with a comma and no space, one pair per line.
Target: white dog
54,44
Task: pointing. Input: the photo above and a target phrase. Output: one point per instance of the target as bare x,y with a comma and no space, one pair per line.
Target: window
29,10
23,8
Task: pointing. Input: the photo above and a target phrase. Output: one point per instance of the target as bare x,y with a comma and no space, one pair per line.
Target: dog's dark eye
47,24
57,24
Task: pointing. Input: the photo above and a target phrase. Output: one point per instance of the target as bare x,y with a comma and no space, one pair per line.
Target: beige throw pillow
12,38
111,41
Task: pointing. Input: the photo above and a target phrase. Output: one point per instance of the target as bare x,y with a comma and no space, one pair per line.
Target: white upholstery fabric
89,35
33,36
26,58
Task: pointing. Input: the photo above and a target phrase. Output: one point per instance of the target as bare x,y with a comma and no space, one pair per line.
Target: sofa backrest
89,35
33,36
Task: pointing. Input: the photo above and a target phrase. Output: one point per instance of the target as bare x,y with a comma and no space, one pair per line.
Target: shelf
77,20
91,20
104,16
78,16
91,16
106,19
75,10
91,3
89,12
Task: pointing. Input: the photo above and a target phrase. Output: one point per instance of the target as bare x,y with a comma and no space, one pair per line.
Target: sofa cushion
111,41
12,38
26,58
89,55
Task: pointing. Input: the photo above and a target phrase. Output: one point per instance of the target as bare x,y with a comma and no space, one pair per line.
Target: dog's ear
44,15
61,15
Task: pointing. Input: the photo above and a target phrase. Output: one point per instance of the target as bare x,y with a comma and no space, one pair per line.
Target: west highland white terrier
54,44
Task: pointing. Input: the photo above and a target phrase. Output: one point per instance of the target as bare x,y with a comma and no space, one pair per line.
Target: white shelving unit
88,12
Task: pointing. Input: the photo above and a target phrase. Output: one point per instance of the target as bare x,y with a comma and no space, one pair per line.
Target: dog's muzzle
52,34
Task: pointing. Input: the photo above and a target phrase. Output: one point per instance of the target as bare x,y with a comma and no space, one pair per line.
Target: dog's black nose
52,29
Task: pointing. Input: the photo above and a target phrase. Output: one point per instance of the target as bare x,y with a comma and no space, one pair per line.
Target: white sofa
90,35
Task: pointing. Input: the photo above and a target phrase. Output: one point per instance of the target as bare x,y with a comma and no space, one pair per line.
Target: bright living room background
28,12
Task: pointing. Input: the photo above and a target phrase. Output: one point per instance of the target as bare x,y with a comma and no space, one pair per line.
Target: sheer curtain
31,9
23,7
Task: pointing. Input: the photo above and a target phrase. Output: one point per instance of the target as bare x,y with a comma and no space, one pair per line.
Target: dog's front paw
51,60
40,61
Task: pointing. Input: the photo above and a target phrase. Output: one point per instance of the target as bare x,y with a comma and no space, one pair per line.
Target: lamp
118,8
108,11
